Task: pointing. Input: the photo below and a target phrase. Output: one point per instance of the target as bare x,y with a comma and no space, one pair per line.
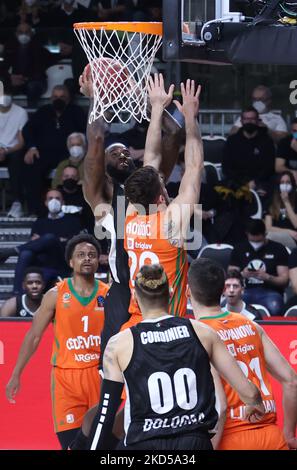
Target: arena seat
257,210
291,312
213,148
56,75
219,252
211,174
263,310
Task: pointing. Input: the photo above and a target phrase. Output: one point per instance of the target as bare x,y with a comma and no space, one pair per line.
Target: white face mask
6,101
76,151
285,187
259,106
257,245
54,206
24,38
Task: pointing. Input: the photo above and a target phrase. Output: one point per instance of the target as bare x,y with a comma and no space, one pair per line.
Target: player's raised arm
189,189
41,320
181,209
159,100
96,187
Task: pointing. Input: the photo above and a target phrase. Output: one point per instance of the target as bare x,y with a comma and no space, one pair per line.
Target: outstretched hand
157,93
86,83
190,104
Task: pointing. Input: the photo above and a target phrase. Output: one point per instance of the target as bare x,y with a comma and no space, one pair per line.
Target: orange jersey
78,325
244,343
146,243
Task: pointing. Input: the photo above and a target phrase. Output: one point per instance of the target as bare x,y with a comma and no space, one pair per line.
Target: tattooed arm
111,367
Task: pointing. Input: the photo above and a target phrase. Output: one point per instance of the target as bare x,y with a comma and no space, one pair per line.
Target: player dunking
157,235
165,363
257,355
76,307
104,176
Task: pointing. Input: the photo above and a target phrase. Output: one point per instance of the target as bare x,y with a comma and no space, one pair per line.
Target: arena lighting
210,32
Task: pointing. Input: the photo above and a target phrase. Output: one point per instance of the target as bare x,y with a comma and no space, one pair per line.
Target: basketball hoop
120,59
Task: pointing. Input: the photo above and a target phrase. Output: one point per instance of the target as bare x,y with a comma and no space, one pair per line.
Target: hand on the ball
86,83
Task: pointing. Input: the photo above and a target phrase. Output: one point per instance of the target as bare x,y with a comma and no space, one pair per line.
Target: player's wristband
110,397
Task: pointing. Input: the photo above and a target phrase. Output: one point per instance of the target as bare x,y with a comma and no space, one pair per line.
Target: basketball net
132,55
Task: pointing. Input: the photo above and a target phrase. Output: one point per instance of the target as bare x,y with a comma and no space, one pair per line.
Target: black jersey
115,224
170,390
22,310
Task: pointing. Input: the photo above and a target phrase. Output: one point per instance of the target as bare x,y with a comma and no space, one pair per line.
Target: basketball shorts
182,442
73,392
261,438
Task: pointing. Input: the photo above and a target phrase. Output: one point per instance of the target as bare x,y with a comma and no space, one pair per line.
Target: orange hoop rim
154,28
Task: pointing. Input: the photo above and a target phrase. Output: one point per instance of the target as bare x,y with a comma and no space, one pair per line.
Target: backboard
230,31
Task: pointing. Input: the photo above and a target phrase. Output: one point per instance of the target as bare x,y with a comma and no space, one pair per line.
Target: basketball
110,77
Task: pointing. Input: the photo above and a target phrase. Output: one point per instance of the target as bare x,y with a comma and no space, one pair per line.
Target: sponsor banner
28,424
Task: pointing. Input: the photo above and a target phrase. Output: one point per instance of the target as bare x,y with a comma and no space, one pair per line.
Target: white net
120,63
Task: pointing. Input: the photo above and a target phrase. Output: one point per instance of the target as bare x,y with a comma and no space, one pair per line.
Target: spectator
282,216
28,61
286,157
77,148
261,100
74,201
48,239
233,292
12,120
249,155
264,265
25,305
292,301
45,136
112,10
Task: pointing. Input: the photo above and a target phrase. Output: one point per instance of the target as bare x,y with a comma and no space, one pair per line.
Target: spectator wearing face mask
249,154
77,148
282,213
48,239
45,136
27,60
261,99
264,266
12,120
286,157
74,201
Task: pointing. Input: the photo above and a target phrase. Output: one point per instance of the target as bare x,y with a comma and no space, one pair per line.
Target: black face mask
70,184
250,127
59,104
120,175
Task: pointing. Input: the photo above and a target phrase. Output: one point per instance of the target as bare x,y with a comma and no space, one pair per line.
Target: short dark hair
143,186
249,109
207,281
81,238
294,121
33,270
255,227
151,286
235,274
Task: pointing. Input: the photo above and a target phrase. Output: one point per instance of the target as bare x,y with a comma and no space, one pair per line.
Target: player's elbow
289,383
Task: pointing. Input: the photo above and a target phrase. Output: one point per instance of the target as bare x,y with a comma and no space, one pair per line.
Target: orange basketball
111,78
